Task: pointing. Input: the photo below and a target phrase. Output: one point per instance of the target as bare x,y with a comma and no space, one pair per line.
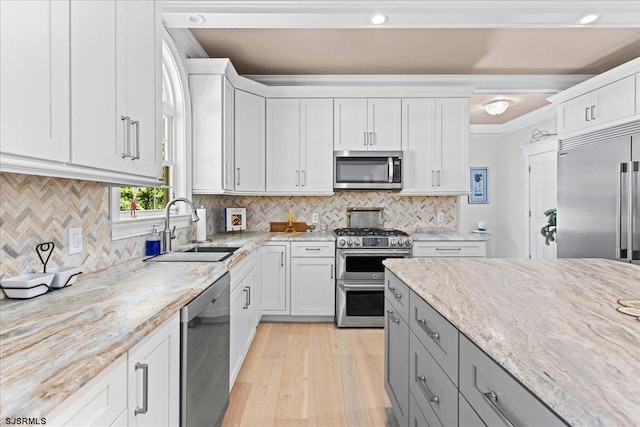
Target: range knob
349,242
408,242
393,242
341,242
357,242
400,242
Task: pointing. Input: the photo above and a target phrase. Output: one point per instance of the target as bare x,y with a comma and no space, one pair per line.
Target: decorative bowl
64,276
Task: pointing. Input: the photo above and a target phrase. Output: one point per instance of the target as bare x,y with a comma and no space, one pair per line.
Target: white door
312,287
542,197
283,145
228,135
34,79
159,355
418,144
384,124
574,114
248,286
350,124
249,142
273,264
316,145
614,101
141,54
452,145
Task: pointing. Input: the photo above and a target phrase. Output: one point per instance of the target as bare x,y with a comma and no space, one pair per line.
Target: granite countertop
439,236
552,324
50,346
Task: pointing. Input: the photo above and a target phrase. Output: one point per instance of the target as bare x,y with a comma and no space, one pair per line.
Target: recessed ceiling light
196,19
378,19
588,19
497,107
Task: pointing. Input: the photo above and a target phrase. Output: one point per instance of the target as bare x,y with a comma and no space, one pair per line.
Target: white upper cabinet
249,142
299,145
212,135
115,82
367,124
436,145
34,79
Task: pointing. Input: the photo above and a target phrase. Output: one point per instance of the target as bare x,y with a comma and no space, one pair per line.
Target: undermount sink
197,254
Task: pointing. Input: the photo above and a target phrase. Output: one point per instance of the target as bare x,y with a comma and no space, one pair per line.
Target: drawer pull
312,249
448,249
423,325
145,389
393,318
396,294
422,383
492,399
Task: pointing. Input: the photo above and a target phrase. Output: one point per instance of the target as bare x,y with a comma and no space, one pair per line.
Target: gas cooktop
372,238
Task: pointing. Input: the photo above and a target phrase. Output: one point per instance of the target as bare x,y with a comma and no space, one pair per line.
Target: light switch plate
75,240
314,218
440,216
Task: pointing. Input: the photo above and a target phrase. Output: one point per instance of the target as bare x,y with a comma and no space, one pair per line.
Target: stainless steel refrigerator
599,199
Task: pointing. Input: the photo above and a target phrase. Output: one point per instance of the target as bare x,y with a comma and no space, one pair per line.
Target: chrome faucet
169,234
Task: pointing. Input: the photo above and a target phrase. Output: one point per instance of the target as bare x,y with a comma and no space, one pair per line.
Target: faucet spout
169,233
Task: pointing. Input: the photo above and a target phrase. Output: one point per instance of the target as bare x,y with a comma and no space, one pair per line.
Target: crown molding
401,13
536,116
184,39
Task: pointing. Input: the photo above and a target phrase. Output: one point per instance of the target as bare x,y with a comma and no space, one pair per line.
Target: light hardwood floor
311,374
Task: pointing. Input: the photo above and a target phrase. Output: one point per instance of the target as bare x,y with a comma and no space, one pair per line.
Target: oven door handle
366,286
376,252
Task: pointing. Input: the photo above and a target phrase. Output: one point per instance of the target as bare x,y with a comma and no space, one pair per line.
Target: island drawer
450,249
418,418
313,249
437,335
430,386
496,396
397,293
467,417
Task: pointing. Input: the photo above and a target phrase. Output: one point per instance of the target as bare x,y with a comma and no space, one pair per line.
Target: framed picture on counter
479,185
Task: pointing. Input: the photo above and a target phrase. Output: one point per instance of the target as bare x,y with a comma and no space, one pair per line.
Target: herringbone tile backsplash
402,212
36,209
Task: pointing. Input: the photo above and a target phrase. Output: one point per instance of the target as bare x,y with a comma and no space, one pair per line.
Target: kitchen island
552,324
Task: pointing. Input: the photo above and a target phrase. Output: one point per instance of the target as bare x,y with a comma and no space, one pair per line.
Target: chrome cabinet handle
126,137
492,400
365,138
433,178
593,112
392,317
311,249
332,271
145,389
396,294
422,383
438,178
304,178
423,324
448,249
249,293
586,114
297,178
246,301
370,138
238,178
136,123
281,259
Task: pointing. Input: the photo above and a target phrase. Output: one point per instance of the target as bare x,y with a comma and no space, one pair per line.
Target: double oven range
360,273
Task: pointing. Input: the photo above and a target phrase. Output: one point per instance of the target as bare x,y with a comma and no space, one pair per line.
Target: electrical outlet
75,240
440,216
314,218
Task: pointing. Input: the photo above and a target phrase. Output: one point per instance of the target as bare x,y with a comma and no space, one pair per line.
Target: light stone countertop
51,345
552,324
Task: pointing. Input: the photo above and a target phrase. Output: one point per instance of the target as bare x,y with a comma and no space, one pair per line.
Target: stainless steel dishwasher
204,359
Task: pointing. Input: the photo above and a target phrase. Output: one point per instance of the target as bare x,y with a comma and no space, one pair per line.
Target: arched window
135,210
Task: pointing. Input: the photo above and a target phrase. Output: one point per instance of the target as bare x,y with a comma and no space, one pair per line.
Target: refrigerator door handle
622,211
634,237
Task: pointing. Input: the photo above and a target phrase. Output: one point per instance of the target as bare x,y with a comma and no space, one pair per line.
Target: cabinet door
418,145
614,101
248,285
236,354
274,289
250,142
312,287
574,114
228,135
384,124
34,79
159,355
350,124
316,145
141,52
283,145
452,142
396,363
99,135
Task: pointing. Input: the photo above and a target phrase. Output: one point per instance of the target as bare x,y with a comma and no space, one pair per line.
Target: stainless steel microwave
367,170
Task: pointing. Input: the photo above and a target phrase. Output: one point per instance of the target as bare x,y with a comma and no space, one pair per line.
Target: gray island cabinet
468,347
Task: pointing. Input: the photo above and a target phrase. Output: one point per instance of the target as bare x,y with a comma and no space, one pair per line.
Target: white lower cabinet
153,370
243,314
274,264
313,286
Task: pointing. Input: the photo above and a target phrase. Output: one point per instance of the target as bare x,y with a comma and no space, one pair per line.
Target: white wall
505,211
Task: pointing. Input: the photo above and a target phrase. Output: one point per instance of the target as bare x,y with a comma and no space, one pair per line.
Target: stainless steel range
360,273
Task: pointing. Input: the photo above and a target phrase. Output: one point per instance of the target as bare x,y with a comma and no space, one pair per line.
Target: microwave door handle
390,163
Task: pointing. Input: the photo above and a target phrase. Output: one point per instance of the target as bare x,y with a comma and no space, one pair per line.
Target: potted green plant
549,230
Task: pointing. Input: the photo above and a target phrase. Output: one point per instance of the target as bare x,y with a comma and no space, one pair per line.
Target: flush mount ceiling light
497,107
378,19
588,19
196,19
